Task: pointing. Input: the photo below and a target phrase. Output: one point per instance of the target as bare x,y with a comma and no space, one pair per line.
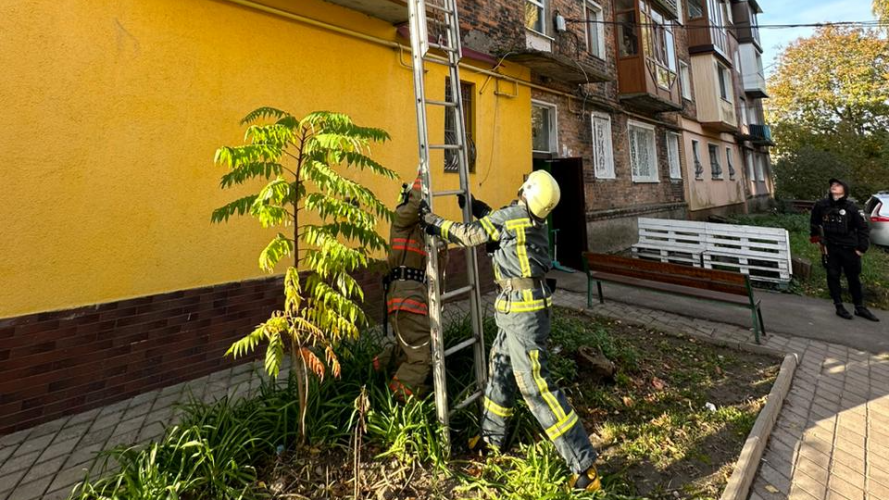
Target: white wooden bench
670,241
763,253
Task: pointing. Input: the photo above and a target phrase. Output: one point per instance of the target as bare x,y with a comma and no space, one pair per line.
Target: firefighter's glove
432,229
479,208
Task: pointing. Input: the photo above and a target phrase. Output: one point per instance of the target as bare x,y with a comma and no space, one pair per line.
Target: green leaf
238,207
277,249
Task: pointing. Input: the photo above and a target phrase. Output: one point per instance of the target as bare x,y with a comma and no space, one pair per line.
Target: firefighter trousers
518,362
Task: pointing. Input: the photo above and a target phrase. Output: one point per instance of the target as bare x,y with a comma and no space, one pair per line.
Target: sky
803,11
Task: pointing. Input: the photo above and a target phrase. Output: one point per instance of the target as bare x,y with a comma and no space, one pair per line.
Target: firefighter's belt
520,284
406,274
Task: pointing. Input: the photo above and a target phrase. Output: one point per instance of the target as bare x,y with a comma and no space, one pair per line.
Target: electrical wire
839,24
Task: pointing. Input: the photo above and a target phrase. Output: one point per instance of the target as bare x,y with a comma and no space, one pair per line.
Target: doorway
567,223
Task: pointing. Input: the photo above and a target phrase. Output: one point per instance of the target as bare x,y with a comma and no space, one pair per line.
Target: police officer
406,297
842,231
518,358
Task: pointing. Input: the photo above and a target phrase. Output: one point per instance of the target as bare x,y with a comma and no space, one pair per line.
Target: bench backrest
705,279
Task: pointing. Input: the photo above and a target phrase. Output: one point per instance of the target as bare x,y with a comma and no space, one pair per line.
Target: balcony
714,93
392,11
755,85
648,79
758,135
707,32
753,79
557,58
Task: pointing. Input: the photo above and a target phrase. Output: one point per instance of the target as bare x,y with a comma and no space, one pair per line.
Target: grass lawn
652,424
875,266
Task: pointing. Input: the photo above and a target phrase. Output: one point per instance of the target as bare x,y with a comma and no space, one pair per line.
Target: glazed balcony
648,78
714,93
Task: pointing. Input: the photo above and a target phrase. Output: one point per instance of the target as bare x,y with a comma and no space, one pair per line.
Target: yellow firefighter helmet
541,193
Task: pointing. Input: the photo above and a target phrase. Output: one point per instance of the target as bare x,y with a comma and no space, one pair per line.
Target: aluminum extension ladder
441,15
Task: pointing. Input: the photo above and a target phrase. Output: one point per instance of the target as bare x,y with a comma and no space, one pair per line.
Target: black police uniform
842,228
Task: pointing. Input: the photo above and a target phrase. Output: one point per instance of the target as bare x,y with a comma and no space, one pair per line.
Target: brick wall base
59,363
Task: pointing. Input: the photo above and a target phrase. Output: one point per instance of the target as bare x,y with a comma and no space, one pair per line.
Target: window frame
685,81
675,170
715,173
700,9
590,5
658,44
724,82
654,176
611,172
553,126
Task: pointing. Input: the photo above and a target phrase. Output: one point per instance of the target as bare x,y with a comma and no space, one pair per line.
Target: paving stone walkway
45,462
831,440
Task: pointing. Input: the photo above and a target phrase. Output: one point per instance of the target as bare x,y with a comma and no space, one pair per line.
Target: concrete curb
739,483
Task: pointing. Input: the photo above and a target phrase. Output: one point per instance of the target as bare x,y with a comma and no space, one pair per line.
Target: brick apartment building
617,98
639,107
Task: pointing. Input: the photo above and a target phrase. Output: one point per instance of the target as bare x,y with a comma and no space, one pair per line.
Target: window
751,114
603,154
451,158
595,30
696,153
717,25
727,14
660,48
743,112
754,23
729,160
680,12
543,127
673,156
627,36
535,13
695,9
685,80
643,152
751,175
725,82
715,167
760,168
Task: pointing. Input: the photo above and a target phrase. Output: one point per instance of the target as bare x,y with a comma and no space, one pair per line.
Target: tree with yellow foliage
830,94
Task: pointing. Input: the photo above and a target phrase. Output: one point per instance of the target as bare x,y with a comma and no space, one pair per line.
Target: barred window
451,160
715,167
643,152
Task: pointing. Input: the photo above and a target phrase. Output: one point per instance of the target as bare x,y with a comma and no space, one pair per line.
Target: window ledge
533,32
646,181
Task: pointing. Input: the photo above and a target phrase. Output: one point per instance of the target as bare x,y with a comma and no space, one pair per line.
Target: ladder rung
453,192
441,47
456,293
439,8
459,347
445,146
447,104
466,402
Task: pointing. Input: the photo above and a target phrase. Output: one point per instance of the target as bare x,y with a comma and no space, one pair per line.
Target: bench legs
589,292
762,325
759,327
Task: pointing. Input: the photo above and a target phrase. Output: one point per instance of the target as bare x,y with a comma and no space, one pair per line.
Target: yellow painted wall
112,110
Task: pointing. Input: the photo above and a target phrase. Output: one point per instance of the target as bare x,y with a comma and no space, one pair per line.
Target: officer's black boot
865,313
842,312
